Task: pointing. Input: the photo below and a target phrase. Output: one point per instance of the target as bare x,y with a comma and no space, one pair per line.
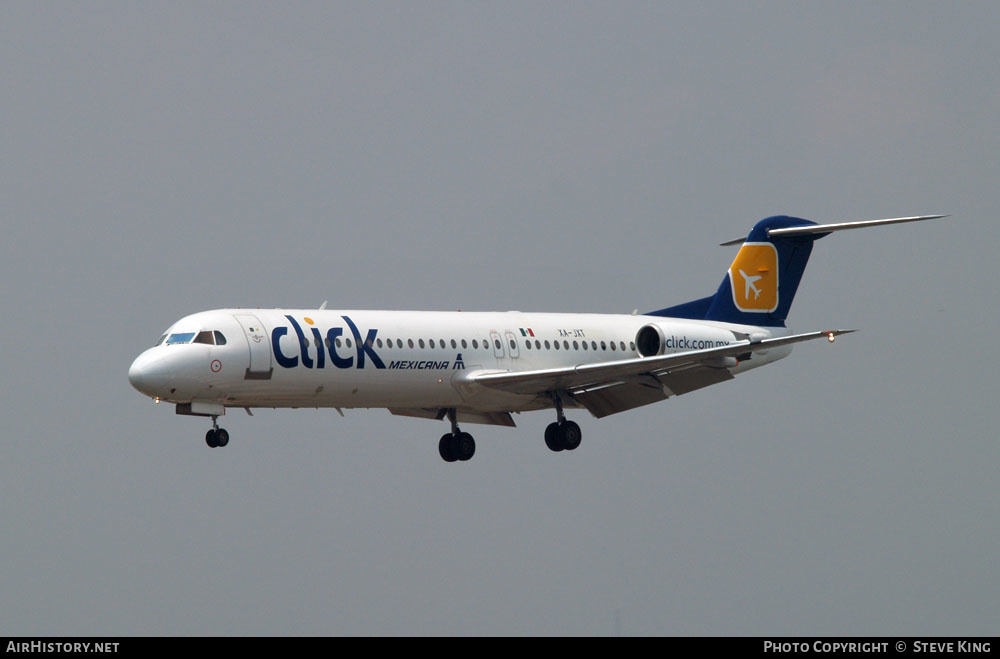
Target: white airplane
480,367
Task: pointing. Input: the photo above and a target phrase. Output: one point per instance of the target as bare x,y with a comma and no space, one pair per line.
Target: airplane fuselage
397,359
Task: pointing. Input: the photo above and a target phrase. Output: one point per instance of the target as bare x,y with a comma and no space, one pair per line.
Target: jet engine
662,338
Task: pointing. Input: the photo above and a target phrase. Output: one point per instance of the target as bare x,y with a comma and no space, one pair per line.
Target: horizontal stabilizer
814,229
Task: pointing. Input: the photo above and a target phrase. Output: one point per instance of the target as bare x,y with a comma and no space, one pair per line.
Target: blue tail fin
761,283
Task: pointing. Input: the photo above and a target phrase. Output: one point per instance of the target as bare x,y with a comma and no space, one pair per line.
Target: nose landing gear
216,437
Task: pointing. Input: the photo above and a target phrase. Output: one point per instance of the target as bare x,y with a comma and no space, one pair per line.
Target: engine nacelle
662,338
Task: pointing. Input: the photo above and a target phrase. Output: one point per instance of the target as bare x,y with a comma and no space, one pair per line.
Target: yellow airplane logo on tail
754,278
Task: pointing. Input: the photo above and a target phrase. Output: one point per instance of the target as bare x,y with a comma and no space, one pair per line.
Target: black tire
571,435
221,437
553,437
465,446
210,438
446,448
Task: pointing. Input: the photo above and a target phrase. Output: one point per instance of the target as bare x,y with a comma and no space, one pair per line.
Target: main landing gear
216,437
456,445
563,435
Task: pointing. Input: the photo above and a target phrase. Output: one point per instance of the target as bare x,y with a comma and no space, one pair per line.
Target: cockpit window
220,340
159,340
180,338
205,337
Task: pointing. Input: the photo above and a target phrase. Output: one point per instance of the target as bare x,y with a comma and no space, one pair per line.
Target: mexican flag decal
526,331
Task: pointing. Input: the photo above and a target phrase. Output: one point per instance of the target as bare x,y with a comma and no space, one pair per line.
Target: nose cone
149,374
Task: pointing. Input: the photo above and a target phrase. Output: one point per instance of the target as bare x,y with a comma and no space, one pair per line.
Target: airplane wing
643,377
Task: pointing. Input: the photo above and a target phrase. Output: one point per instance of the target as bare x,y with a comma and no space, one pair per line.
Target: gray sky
161,160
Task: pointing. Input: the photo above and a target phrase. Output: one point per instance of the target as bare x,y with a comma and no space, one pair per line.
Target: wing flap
691,379
463,416
621,396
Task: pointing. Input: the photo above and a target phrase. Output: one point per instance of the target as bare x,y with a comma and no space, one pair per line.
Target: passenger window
453,344
378,342
527,344
464,344
432,343
612,345
220,338
497,342
576,346
475,344
593,345
604,346
421,343
538,344
513,345
584,344
555,344
347,342
566,344
622,344
326,342
337,341
546,344
632,346
409,342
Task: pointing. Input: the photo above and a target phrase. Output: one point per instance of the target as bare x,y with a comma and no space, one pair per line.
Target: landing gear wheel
554,438
446,448
221,437
211,439
464,446
571,435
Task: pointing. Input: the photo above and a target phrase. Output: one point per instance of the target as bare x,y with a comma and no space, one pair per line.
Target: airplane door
497,344
512,344
260,352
